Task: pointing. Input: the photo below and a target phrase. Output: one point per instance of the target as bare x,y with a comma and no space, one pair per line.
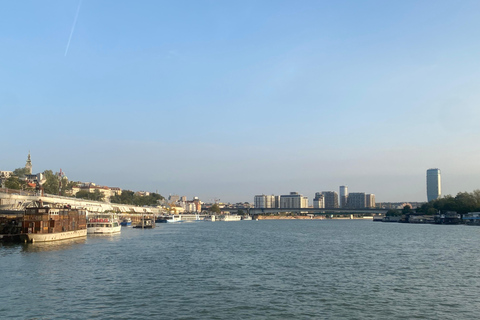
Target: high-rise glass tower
343,196
434,184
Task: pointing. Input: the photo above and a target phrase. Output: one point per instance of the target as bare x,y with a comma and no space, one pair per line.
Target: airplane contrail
73,27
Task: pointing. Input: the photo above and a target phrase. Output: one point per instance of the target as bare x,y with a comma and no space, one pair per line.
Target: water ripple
249,270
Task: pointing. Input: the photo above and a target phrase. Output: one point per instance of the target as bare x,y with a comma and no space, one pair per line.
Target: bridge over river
259,211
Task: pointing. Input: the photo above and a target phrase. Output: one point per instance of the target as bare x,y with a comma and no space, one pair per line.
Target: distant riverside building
356,200
173,198
264,201
370,200
35,179
4,175
194,205
277,202
319,200
293,200
259,201
343,196
331,199
434,184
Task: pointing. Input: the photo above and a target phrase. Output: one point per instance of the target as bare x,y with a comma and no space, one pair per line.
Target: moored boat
126,222
175,219
103,223
145,224
42,224
232,217
160,219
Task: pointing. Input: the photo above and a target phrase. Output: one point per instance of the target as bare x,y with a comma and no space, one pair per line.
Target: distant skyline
231,99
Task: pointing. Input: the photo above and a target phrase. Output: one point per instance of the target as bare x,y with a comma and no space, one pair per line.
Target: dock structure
12,201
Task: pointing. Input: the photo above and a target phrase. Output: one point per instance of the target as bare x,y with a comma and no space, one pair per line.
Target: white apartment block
370,200
265,201
293,200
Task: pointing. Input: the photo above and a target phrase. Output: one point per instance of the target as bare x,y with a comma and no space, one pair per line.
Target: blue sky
228,99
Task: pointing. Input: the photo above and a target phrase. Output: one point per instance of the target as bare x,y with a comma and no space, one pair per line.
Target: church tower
28,165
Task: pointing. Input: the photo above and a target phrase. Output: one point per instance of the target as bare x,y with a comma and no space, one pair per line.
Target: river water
249,270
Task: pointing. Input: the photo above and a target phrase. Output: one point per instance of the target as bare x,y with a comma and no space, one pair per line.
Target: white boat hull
232,218
45,237
104,230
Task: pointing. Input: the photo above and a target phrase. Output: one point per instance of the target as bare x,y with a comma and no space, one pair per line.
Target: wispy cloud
73,27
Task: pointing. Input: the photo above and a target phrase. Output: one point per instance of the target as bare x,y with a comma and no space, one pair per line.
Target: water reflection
67,244
106,236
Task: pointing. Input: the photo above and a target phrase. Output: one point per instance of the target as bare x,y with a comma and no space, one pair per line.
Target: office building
331,199
319,200
343,196
356,200
293,200
370,200
434,184
265,201
260,201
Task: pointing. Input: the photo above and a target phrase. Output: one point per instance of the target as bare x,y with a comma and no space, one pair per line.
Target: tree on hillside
125,198
150,200
13,182
96,195
51,185
20,172
129,197
67,187
82,194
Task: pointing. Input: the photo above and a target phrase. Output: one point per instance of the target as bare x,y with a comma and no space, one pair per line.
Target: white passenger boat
103,223
232,217
175,219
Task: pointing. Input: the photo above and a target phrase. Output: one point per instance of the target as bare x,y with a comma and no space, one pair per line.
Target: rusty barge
42,224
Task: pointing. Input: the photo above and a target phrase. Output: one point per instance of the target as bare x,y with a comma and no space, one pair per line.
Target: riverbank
317,217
